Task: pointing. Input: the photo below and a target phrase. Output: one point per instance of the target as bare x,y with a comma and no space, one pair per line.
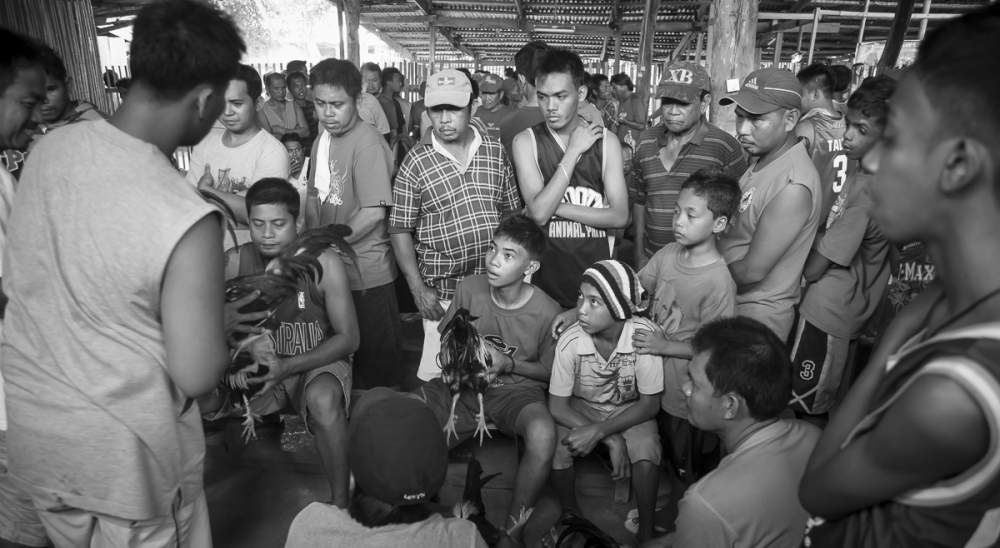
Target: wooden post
646,51
732,33
352,9
433,46
340,29
923,22
618,53
779,43
901,21
817,15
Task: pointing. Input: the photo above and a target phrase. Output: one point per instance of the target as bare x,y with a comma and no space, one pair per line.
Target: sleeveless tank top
829,157
303,323
573,246
959,511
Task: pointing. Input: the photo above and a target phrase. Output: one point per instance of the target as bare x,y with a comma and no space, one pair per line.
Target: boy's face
240,113
760,134
295,152
272,228
298,88
591,310
507,262
449,123
693,221
861,135
56,100
621,91
336,110
276,89
17,102
706,410
558,98
491,99
907,162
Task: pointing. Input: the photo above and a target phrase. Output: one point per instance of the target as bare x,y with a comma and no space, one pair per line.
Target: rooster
280,281
465,367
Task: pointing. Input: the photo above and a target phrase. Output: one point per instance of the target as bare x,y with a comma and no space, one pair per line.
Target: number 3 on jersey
840,164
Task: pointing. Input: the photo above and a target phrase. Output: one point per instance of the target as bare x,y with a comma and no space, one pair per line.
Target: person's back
753,491
822,129
105,352
322,525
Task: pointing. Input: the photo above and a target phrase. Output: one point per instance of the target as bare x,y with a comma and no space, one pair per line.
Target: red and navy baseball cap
767,90
397,452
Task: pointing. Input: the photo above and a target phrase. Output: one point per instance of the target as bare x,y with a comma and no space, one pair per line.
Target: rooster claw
449,429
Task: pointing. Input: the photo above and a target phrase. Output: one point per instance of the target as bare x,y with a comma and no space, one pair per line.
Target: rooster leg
249,420
449,427
481,428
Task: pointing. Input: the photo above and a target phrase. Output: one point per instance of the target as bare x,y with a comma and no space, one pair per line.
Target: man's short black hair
721,191
622,79
527,58
336,73
842,75
180,44
18,52
273,191
523,231
291,137
871,99
251,78
818,76
560,60
958,68
53,64
748,359
389,73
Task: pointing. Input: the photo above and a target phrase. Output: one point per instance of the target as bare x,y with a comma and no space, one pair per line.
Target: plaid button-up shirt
452,209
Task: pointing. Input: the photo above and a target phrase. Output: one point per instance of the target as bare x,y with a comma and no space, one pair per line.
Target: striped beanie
620,287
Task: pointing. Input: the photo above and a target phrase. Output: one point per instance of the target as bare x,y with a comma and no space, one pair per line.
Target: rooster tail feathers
301,259
228,215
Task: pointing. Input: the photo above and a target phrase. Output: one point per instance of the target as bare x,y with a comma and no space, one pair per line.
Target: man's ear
259,103
966,161
719,224
203,95
706,102
791,118
582,92
731,406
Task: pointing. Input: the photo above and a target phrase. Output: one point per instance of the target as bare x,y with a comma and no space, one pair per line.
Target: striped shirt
452,209
657,189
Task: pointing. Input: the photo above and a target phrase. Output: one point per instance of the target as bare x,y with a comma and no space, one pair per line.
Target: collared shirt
580,371
452,209
657,189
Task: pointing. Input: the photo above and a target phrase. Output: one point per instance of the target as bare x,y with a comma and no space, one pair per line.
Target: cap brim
686,94
451,98
749,101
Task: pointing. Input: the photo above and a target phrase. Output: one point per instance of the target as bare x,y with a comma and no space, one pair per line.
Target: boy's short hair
249,76
520,229
52,64
389,73
841,77
528,57
622,79
336,73
721,191
276,191
959,71
818,76
871,99
18,52
180,44
560,60
748,359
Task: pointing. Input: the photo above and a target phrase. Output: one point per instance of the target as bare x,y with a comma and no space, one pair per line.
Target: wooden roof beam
428,9
391,42
512,24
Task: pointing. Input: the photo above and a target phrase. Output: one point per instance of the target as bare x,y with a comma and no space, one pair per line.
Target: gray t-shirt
772,300
843,299
358,174
94,420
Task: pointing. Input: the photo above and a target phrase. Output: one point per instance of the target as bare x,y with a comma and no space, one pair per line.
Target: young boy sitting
513,316
603,391
318,331
691,286
848,268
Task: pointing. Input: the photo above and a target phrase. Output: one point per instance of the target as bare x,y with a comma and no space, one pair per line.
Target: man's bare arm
782,221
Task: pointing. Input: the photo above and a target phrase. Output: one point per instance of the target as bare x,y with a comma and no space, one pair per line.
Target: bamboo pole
778,44
864,22
352,9
923,22
817,15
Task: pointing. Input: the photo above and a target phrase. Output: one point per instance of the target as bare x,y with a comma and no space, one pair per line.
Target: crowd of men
677,298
